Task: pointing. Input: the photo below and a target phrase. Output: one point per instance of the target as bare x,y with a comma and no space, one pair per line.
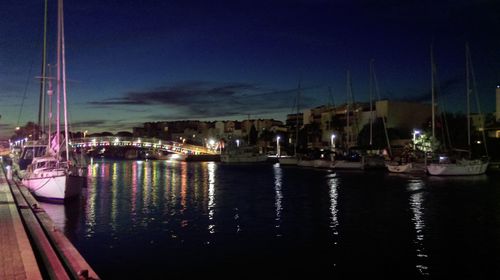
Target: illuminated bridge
89,143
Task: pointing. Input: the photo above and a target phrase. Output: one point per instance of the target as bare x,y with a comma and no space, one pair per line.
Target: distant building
477,121
404,116
199,132
330,120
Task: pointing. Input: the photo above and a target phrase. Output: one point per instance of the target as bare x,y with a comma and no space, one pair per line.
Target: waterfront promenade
17,259
31,247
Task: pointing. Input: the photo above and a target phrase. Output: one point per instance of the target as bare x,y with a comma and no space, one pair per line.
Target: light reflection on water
211,196
333,183
415,188
167,214
278,177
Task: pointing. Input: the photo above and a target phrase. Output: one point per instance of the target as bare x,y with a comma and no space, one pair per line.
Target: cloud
203,100
448,88
104,125
90,123
6,126
182,94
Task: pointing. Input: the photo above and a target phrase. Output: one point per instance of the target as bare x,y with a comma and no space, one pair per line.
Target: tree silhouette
30,131
253,135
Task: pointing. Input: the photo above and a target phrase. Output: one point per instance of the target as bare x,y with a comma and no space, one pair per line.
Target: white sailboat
51,177
463,166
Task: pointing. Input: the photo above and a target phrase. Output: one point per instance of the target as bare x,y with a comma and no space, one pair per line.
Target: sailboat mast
371,103
50,92
63,49
297,123
475,92
348,108
41,105
433,70
377,91
58,97
468,91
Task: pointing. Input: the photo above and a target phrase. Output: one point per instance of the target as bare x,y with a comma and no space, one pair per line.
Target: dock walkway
17,259
31,247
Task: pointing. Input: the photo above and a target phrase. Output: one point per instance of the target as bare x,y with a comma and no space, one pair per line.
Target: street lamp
238,143
415,132
278,152
332,141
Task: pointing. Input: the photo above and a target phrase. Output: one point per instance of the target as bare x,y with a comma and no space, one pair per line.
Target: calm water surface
162,219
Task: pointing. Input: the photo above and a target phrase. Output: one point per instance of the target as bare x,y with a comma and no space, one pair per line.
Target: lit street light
278,153
332,139
415,132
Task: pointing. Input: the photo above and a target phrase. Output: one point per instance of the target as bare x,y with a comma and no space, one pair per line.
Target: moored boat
399,168
288,160
347,164
459,168
49,179
242,155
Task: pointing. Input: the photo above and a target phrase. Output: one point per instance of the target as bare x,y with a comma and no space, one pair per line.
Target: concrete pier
31,246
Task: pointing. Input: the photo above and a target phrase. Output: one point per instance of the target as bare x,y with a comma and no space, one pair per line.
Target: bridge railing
140,142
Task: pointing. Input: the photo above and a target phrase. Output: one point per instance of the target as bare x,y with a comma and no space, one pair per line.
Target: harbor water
181,220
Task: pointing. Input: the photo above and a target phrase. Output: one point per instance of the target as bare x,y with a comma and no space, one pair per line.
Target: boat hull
54,187
400,168
457,169
288,160
243,159
344,164
321,163
306,163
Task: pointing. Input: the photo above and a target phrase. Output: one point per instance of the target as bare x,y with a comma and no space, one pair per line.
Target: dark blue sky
135,61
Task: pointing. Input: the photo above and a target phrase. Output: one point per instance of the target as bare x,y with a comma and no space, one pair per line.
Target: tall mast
433,71
249,129
66,132
377,91
50,92
468,91
58,97
347,111
476,95
41,104
297,122
350,101
371,103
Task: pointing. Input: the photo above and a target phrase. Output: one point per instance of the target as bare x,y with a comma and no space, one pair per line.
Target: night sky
130,62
